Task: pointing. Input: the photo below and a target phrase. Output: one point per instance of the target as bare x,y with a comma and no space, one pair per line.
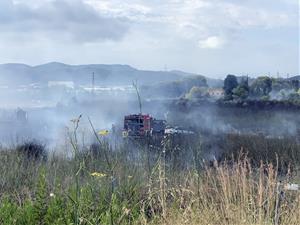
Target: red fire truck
143,125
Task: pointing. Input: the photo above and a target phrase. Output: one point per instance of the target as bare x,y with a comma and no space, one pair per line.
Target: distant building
66,84
216,92
21,115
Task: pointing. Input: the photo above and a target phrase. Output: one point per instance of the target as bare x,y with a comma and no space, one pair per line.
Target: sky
209,37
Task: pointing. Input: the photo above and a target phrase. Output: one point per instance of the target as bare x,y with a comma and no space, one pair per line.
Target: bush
240,92
33,150
197,93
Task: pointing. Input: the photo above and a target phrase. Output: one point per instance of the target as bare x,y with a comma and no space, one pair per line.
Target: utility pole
166,68
93,84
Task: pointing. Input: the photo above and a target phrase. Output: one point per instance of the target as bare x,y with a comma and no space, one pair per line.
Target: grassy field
127,185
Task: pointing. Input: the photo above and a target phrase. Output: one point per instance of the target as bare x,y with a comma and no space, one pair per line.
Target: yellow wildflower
103,132
97,174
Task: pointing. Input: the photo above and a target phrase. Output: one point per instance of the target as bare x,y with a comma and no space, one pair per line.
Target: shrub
33,150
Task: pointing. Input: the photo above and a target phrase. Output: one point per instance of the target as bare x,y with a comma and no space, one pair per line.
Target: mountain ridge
105,74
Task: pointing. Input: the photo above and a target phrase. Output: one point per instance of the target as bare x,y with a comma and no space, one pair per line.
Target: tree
240,92
245,84
262,86
295,84
279,84
197,92
230,83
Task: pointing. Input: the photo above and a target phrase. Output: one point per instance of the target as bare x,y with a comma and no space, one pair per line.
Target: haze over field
54,93
63,58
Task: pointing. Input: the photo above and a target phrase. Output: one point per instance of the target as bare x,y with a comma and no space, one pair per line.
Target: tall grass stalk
110,167
77,168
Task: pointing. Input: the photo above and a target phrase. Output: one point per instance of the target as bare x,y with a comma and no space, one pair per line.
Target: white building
67,84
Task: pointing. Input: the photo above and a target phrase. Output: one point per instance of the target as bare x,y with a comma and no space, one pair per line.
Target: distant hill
294,78
16,74
21,74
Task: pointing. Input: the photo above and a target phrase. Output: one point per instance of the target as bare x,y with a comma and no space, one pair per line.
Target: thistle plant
78,166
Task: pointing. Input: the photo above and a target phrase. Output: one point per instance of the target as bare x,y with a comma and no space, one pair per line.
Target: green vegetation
261,87
241,91
197,92
267,90
230,83
174,88
141,185
261,92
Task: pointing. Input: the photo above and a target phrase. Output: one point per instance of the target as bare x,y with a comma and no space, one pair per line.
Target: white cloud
212,42
190,19
198,19
239,16
116,8
68,20
163,30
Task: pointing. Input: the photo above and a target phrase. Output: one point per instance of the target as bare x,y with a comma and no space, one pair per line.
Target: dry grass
230,194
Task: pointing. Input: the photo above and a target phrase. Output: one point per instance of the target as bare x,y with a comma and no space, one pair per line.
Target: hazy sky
210,37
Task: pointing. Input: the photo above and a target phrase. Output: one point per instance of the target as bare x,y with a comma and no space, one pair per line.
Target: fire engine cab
143,125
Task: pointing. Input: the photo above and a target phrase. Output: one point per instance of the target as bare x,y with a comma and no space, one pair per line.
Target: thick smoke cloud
59,19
